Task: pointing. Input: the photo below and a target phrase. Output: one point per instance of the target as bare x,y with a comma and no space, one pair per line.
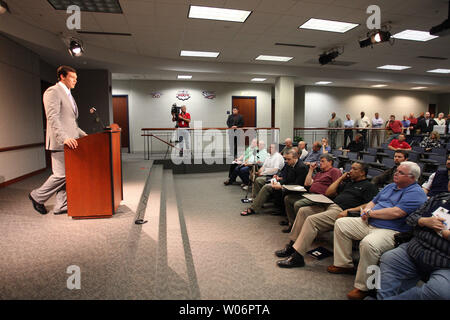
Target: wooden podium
94,175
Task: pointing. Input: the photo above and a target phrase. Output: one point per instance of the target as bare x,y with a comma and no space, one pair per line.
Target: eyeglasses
402,173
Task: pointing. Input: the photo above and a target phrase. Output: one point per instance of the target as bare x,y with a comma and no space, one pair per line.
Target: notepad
443,213
293,187
319,198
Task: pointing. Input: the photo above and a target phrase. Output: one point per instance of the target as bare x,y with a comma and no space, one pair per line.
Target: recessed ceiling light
205,54
324,82
439,71
418,88
103,6
201,12
393,67
379,85
273,58
184,77
259,79
414,35
328,25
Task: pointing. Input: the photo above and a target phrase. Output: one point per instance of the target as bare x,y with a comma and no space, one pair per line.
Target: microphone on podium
93,111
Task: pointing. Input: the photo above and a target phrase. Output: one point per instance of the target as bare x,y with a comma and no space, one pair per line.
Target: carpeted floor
195,245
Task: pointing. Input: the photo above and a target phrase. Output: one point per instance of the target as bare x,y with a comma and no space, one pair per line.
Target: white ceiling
161,29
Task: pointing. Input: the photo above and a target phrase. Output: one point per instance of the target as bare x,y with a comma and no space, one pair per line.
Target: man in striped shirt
426,257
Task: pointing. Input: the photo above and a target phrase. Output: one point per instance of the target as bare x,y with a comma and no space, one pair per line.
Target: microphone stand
93,111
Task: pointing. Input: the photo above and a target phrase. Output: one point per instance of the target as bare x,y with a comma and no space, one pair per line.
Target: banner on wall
183,95
209,94
156,94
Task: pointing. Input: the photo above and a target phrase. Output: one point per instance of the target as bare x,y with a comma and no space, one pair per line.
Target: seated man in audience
314,154
295,174
238,163
254,162
438,181
427,255
317,183
302,150
380,220
356,145
287,146
399,143
271,166
351,190
387,176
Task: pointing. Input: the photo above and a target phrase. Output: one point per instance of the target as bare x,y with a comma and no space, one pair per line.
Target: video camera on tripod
175,111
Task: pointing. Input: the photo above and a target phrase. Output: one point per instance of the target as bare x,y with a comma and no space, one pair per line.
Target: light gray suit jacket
61,118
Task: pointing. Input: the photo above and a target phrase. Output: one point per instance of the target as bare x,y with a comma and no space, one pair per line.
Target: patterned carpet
195,245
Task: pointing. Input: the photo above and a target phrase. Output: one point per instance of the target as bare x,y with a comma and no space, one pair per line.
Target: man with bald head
302,150
287,146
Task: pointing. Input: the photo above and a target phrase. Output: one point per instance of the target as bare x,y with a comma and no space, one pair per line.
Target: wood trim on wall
25,146
28,175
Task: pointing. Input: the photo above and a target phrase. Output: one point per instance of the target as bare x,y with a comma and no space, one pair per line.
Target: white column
284,107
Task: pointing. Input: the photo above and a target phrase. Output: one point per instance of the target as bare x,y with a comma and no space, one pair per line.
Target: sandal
248,212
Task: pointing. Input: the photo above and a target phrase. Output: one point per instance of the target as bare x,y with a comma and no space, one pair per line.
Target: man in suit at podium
62,129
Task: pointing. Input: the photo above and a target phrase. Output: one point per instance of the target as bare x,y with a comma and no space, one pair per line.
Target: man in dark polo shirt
352,190
317,184
399,143
388,175
295,175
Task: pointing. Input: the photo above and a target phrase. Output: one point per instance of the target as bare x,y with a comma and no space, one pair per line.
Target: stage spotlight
3,7
329,56
376,37
75,47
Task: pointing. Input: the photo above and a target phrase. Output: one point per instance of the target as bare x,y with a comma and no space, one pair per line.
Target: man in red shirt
399,143
184,119
395,126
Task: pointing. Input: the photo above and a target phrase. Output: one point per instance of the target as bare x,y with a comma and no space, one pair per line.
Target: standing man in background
377,123
183,121
363,123
334,122
234,121
62,129
348,133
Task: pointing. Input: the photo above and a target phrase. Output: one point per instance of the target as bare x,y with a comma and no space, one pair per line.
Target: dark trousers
347,134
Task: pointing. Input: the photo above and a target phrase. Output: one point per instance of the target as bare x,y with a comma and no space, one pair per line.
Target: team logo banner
209,94
183,95
156,94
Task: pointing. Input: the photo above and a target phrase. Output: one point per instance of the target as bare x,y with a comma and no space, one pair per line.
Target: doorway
120,117
247,108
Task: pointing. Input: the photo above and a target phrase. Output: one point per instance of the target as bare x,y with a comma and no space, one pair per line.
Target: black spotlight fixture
374,37
442,29
4,7
76,47
329,56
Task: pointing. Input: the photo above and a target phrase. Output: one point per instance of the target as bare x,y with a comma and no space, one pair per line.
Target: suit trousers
56,183
376,135
293,202
309,222
263,195
374,242
257,185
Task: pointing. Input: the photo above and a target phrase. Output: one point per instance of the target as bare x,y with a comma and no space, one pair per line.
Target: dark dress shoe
295,260
60,212
287,230
286,252
37,206
284,223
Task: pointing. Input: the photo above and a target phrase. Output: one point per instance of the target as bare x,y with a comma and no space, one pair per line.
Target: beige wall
20,106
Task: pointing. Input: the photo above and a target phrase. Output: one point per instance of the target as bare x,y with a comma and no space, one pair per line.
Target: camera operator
183,119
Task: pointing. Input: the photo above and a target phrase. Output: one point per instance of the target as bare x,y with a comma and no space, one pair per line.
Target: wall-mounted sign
183,95
156,94
209,94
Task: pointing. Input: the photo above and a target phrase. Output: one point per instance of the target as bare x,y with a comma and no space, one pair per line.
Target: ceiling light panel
259,79
414,35
184,77
210,13
102,6
439,71
323,82
379,85
418,88
393,67
328,25
273,58
203,54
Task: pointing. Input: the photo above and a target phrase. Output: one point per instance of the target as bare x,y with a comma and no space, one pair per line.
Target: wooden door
247,108
120,116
